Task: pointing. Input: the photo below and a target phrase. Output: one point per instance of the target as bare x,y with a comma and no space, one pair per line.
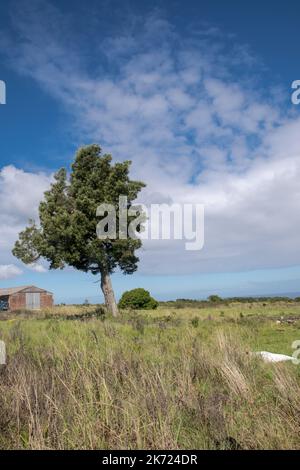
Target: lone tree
66,234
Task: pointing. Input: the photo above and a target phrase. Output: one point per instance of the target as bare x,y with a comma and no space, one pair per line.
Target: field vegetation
178,377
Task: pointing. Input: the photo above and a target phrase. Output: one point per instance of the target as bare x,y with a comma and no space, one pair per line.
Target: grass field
164,379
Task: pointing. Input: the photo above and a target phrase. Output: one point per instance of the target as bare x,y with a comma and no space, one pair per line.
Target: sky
197,94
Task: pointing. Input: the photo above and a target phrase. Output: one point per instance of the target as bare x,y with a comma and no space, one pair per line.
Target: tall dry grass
101,384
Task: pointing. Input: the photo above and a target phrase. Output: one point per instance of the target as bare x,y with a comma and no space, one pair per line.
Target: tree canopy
66,232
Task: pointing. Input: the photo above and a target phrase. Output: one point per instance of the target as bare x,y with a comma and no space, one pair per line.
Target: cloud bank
194,114
20,193
8,271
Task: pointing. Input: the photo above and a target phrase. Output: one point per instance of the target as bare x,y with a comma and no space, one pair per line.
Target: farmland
171,378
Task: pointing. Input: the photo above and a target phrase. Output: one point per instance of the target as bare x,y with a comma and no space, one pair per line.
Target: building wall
18,301
46,300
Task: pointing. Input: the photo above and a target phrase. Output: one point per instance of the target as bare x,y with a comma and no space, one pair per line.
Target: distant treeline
215,299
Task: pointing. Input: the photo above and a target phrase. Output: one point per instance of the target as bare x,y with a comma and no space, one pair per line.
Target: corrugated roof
15,290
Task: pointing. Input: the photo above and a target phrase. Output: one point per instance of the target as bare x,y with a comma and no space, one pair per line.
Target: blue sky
197,94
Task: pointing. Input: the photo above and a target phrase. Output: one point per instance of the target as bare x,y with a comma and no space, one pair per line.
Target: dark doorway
4,305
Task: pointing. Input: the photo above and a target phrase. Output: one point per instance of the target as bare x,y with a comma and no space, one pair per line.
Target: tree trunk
109,295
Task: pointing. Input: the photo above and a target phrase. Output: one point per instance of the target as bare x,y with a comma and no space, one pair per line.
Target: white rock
272,357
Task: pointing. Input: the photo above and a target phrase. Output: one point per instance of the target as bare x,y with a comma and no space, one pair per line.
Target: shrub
195,322
137,299
214,298
100,312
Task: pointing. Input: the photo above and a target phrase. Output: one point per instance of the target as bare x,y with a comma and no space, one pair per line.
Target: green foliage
195,322
192,303
137,299
214,298
67,231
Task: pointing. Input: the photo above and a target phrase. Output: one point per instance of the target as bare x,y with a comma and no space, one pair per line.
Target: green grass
168,378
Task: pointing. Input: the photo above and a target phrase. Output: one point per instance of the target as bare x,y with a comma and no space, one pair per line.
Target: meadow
171,378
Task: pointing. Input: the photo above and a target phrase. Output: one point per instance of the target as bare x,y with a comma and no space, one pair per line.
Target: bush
214,298
195,322
137,299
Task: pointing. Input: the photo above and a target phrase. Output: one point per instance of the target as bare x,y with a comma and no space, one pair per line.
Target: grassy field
164,379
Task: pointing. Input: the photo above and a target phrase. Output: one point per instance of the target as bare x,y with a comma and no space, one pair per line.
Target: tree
138,299
66,234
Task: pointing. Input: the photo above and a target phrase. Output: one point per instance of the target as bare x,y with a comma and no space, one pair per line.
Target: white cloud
37,267
20,194
8,271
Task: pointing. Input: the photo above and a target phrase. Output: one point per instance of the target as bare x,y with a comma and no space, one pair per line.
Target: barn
25,297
